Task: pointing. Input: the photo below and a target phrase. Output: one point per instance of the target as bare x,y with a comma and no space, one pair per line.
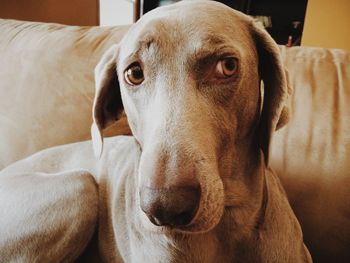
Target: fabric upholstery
320,124
46,84
312,153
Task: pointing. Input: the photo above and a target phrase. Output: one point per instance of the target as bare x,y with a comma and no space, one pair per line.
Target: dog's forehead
192,23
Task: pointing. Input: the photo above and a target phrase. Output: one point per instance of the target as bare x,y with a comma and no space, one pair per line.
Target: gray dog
193,183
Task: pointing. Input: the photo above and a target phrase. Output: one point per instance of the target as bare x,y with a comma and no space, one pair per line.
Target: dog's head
189,77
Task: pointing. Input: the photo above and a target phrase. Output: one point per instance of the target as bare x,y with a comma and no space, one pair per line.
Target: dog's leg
46,217
48,210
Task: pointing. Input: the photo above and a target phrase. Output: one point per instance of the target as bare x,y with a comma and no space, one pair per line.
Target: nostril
184,218
154,220
174,206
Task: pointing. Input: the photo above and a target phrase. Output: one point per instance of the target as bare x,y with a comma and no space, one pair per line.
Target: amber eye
134,74
226,67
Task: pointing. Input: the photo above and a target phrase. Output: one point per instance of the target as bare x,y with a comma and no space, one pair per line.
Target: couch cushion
47,84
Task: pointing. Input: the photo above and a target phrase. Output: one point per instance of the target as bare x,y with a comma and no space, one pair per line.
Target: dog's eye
134,74
226,67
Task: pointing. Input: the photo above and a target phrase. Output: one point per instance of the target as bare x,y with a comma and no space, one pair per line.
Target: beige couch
312,153
46,92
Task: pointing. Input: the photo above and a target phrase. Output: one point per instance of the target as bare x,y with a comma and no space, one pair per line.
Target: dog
193,183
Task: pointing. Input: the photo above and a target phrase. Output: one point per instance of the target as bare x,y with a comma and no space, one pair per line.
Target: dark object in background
287,16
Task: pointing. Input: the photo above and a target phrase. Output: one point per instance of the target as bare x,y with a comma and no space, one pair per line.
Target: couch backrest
47,84
318,133
312,153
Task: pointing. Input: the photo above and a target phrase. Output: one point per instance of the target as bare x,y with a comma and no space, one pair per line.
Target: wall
327,24
115,12
70,12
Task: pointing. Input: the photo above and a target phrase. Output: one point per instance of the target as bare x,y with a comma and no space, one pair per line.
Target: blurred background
321,23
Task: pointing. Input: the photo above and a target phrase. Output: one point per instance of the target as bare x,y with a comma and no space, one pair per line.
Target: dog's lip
188,229
180,230
154,227
193,227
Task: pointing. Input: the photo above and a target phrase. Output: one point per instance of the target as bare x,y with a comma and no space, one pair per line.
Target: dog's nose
173,206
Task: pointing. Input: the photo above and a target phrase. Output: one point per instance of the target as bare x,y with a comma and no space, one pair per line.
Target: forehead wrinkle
213,45
141,45
223,49
214,40
151,31
209,41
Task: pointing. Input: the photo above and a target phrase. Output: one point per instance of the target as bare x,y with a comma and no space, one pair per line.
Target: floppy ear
275,92
286,112
107,106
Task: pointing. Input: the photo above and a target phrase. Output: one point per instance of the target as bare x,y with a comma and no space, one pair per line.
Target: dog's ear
286,111
274,114
107,106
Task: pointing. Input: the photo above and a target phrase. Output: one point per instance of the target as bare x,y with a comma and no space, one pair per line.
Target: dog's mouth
192,228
